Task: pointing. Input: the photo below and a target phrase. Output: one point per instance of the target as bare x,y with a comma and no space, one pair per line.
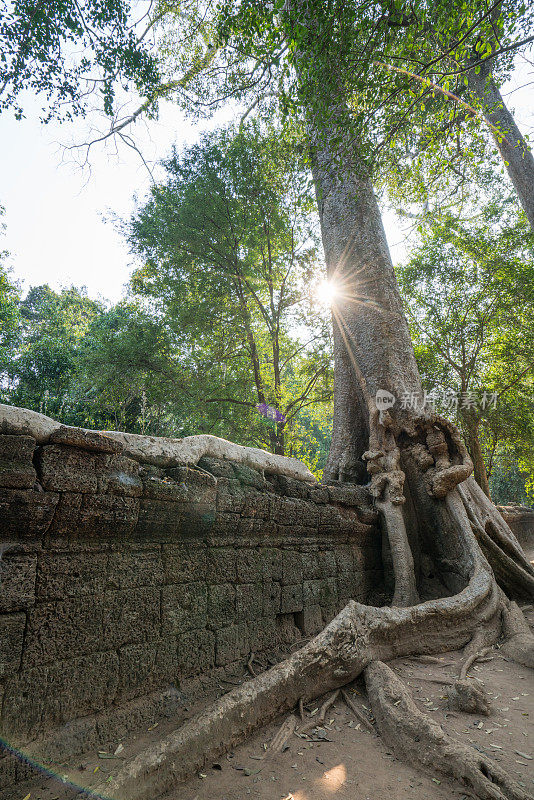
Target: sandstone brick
93,441
11,638
131,615
17,580
248,601
221,605
291,599
26,513
184,607
231,644
195,652
183,563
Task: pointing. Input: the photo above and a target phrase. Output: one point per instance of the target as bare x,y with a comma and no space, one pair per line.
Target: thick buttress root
417,738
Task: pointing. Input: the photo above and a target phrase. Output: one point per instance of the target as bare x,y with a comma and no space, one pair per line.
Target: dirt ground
340,760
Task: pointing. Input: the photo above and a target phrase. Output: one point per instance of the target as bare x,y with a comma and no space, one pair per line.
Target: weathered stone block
63,575
131,615
291,567
130,568
256,504
231,644
95,678
16,467
121,477
183,563
68,469
318,494
159,520
230,496
103,515
137,670
59,629
327,564
309,620
85,440
17,448
165,489
24,703
272,560
26,513
249,477
221,605
217,467
349,494
272,594
248,601
291,599
17,580
195,652
11,639
184,607
222,564
249,565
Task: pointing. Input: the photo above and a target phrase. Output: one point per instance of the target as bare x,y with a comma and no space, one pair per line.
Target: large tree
418,463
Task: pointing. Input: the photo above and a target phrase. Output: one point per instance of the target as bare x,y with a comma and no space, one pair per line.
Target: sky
59,218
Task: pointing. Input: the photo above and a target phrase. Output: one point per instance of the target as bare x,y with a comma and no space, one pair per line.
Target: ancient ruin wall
122,582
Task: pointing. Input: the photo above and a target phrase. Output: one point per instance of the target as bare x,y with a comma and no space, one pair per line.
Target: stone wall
120,580
521,521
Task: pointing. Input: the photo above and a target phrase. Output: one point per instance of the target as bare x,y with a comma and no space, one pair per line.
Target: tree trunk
480,474
372,345
515,152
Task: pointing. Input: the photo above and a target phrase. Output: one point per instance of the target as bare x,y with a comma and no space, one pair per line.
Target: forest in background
225,328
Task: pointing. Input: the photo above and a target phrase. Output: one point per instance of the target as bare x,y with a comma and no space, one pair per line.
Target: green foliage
229,259
42,369
66,51
469,298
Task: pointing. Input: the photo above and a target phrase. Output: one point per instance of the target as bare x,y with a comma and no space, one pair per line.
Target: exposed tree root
519,640
450,529
357,636
417,738
284,734
360,716
320,718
